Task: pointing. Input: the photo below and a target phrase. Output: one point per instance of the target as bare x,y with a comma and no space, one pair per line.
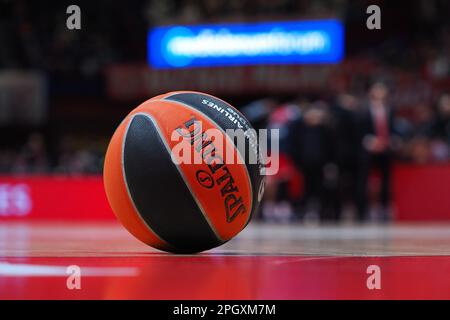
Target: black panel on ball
159,191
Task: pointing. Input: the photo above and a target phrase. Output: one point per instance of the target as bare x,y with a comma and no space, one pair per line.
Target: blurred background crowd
387,102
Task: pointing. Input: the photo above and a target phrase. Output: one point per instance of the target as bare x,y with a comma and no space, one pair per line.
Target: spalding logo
205,179
229,191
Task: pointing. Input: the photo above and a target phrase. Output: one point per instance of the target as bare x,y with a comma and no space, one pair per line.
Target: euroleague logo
205,179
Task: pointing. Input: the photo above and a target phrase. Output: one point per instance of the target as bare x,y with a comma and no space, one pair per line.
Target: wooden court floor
102,261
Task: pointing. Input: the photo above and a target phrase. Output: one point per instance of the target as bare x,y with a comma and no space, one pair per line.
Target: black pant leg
385,168
362,181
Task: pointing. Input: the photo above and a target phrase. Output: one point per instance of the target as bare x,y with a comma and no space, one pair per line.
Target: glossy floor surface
102,261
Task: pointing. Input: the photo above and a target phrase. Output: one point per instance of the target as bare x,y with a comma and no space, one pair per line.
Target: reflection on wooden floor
55,240
263,262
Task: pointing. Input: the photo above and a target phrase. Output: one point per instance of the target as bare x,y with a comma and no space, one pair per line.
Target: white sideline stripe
31,270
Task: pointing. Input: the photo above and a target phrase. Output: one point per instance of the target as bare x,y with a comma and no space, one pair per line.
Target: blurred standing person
279,187
375,127
311,148
346,154
440,130
440,127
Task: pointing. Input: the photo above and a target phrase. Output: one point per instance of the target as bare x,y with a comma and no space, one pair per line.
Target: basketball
179,177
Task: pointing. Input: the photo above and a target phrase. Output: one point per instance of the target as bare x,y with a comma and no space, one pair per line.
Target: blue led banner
315,41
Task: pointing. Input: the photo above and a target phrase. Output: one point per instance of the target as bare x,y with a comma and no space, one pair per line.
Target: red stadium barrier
421,193
53,198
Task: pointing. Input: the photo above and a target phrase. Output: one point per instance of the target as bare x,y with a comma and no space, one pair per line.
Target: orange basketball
176,175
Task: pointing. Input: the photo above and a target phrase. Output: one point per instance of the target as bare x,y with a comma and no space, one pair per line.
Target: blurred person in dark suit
439,131
375,131
311,148
440,127
345,139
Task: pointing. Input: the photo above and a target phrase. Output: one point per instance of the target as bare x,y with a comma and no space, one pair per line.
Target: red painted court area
264,262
